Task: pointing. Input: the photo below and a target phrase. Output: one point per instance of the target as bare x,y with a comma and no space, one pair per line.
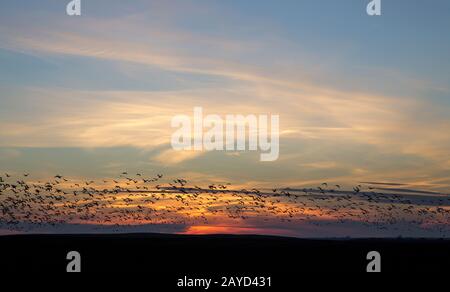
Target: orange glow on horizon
204,230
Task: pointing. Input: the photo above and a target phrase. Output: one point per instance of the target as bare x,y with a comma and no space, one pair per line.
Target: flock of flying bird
136,199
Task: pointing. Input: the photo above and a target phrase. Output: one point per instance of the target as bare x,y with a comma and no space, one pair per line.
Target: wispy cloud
342,133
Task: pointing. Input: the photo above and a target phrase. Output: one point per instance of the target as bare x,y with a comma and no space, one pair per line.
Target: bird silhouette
129,199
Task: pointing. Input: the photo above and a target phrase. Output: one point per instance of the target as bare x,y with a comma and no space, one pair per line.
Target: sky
360,98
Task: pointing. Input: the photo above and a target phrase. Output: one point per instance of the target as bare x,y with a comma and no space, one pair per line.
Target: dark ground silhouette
179,254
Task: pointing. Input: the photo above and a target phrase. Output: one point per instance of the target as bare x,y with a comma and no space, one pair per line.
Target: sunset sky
359,98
